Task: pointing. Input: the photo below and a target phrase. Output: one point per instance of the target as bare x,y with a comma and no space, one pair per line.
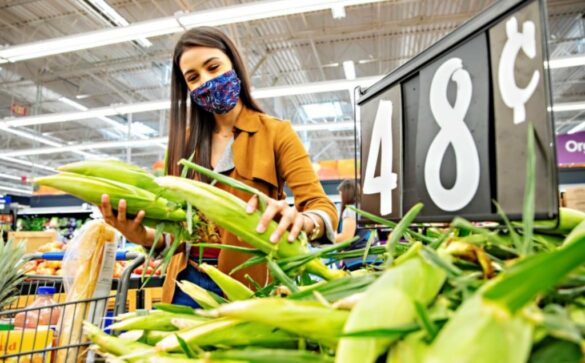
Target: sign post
449,127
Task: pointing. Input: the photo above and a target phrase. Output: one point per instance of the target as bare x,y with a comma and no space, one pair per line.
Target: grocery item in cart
87,274
44,311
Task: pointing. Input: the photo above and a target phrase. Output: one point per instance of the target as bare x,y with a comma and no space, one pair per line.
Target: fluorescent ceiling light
314,87
115,17
26,163
323,110
338,11
26,135
16,190
565,62
42,140
95,146
569,106
577,128
173,24
142,129
349,69
331,126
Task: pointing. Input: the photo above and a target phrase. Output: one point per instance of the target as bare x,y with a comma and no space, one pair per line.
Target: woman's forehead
196,57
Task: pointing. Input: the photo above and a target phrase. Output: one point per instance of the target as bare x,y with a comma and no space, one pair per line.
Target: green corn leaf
158,232
186,348
295,262
228,181
515,237
425,321
387,223
251,251
384,333
175,309
518,285
431,256
529,195
253,282
371,239
281,276
400,229
256,260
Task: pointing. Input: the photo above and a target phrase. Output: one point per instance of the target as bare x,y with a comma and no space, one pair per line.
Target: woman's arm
294,166
348,231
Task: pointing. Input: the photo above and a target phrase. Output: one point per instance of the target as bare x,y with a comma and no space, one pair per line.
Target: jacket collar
248,120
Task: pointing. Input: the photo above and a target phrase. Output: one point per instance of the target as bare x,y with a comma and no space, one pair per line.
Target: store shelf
58,210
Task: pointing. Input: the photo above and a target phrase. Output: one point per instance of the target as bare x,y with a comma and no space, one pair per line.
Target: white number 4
381,139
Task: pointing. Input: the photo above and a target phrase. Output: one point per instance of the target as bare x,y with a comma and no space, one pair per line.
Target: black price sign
449,127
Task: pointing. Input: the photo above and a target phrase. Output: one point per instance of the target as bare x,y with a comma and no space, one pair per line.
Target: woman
225,129
348,190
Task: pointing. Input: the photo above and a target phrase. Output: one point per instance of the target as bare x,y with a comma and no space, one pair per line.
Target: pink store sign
571,148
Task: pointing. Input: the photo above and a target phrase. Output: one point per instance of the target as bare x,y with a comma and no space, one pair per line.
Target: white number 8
453,131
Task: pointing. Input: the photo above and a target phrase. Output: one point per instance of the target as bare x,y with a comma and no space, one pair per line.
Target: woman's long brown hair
349,190
194,120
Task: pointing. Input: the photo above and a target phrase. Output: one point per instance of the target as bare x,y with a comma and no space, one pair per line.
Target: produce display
65,226
463,293
43,267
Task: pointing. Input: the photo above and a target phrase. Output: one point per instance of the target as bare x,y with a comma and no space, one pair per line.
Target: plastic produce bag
88,267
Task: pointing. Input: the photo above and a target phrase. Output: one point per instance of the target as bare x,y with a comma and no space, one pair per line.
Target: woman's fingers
297,227
252,204
271,210
288,218
106,209
138,220
122,211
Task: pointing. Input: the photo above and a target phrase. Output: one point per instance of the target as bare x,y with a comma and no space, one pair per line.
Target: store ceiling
297,49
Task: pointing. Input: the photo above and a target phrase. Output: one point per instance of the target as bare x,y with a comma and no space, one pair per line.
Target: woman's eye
213,67
192,78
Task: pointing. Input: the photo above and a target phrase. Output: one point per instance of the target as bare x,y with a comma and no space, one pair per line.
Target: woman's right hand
132,229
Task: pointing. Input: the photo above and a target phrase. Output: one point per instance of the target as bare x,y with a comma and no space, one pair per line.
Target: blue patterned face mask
218,95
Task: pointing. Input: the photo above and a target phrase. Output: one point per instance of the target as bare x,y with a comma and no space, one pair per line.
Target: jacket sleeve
294,165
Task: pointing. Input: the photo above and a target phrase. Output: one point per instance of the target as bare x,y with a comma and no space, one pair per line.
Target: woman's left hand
289,216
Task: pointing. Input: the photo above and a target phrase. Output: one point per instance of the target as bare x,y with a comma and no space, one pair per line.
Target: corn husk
229,212
392,297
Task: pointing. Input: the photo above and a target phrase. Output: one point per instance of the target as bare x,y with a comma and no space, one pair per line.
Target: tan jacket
267,153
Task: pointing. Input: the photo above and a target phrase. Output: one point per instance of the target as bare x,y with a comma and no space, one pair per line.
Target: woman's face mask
218,95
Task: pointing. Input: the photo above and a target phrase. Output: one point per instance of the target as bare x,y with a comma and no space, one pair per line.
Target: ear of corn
115,345
568,219
198,294
229,212
121,172
91,190
493,315
304,318
393,296
232,288
229,332
411,349
161,321
271,356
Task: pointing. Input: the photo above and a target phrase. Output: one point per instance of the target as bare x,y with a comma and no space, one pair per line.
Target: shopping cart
38,343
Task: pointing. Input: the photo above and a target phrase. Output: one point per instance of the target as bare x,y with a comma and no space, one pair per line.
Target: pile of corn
459,294
464,294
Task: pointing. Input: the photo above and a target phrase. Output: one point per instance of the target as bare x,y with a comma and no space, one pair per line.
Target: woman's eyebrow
203,65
